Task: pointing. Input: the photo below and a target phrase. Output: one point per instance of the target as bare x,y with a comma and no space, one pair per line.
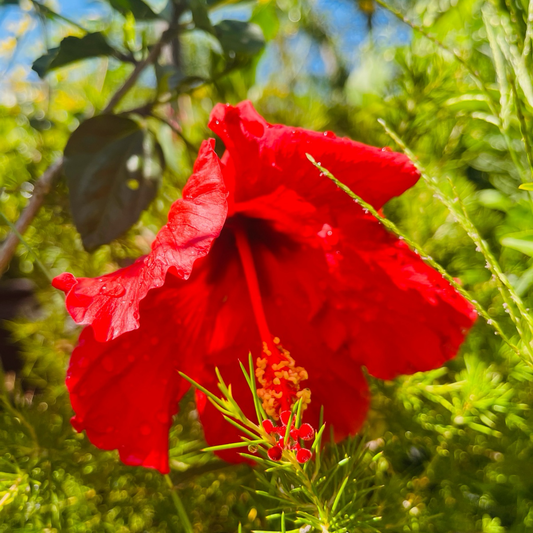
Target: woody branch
47,180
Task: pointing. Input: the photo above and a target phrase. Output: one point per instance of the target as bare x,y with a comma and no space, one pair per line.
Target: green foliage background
456,443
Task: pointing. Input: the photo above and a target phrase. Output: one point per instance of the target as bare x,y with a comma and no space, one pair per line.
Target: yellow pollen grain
283,371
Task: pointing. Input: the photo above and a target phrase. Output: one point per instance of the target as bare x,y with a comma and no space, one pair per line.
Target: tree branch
130,82
41,189
47,180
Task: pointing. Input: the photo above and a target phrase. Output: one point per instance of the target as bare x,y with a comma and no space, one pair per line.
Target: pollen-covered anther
279,379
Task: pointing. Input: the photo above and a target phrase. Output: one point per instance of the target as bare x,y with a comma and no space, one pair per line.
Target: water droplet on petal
146,430
110,429
115,290
108,364
131,358
329,134
154,341
386,149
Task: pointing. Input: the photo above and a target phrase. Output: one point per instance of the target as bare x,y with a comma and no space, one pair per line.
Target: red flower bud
303,455
268,426
284,417
275,453
306,432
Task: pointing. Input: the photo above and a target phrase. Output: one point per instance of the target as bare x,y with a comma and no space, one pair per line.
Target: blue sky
346,21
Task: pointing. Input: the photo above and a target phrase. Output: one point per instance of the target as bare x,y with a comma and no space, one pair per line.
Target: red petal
284,417
111,303
264,156
405,317
125,391
292,298
306,432
64,282
268,426
303,455
275,453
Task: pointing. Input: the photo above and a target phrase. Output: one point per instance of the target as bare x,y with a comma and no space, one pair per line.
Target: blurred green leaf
113,169
266,18
526,186
521,241
138,8
201,59
200,14
240,37
494,199
72,49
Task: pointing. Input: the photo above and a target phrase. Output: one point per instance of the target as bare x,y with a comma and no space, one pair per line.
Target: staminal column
250,274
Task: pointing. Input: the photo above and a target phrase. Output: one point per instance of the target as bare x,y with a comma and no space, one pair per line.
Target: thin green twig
45,10
185,522
465,221
523,128
30,249
418,249
473,73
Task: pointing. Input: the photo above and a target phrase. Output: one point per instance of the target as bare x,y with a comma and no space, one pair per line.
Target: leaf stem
178,504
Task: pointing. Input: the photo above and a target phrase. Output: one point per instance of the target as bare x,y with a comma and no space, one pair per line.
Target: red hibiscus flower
278,250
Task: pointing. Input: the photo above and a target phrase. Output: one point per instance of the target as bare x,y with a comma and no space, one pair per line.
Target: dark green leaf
201,54
113,169
201,59
138,8
9,2
200,15
73,49
240,37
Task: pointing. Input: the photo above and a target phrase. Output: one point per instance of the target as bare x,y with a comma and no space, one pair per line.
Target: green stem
413,245
510,296
47,11
473,73
185,522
